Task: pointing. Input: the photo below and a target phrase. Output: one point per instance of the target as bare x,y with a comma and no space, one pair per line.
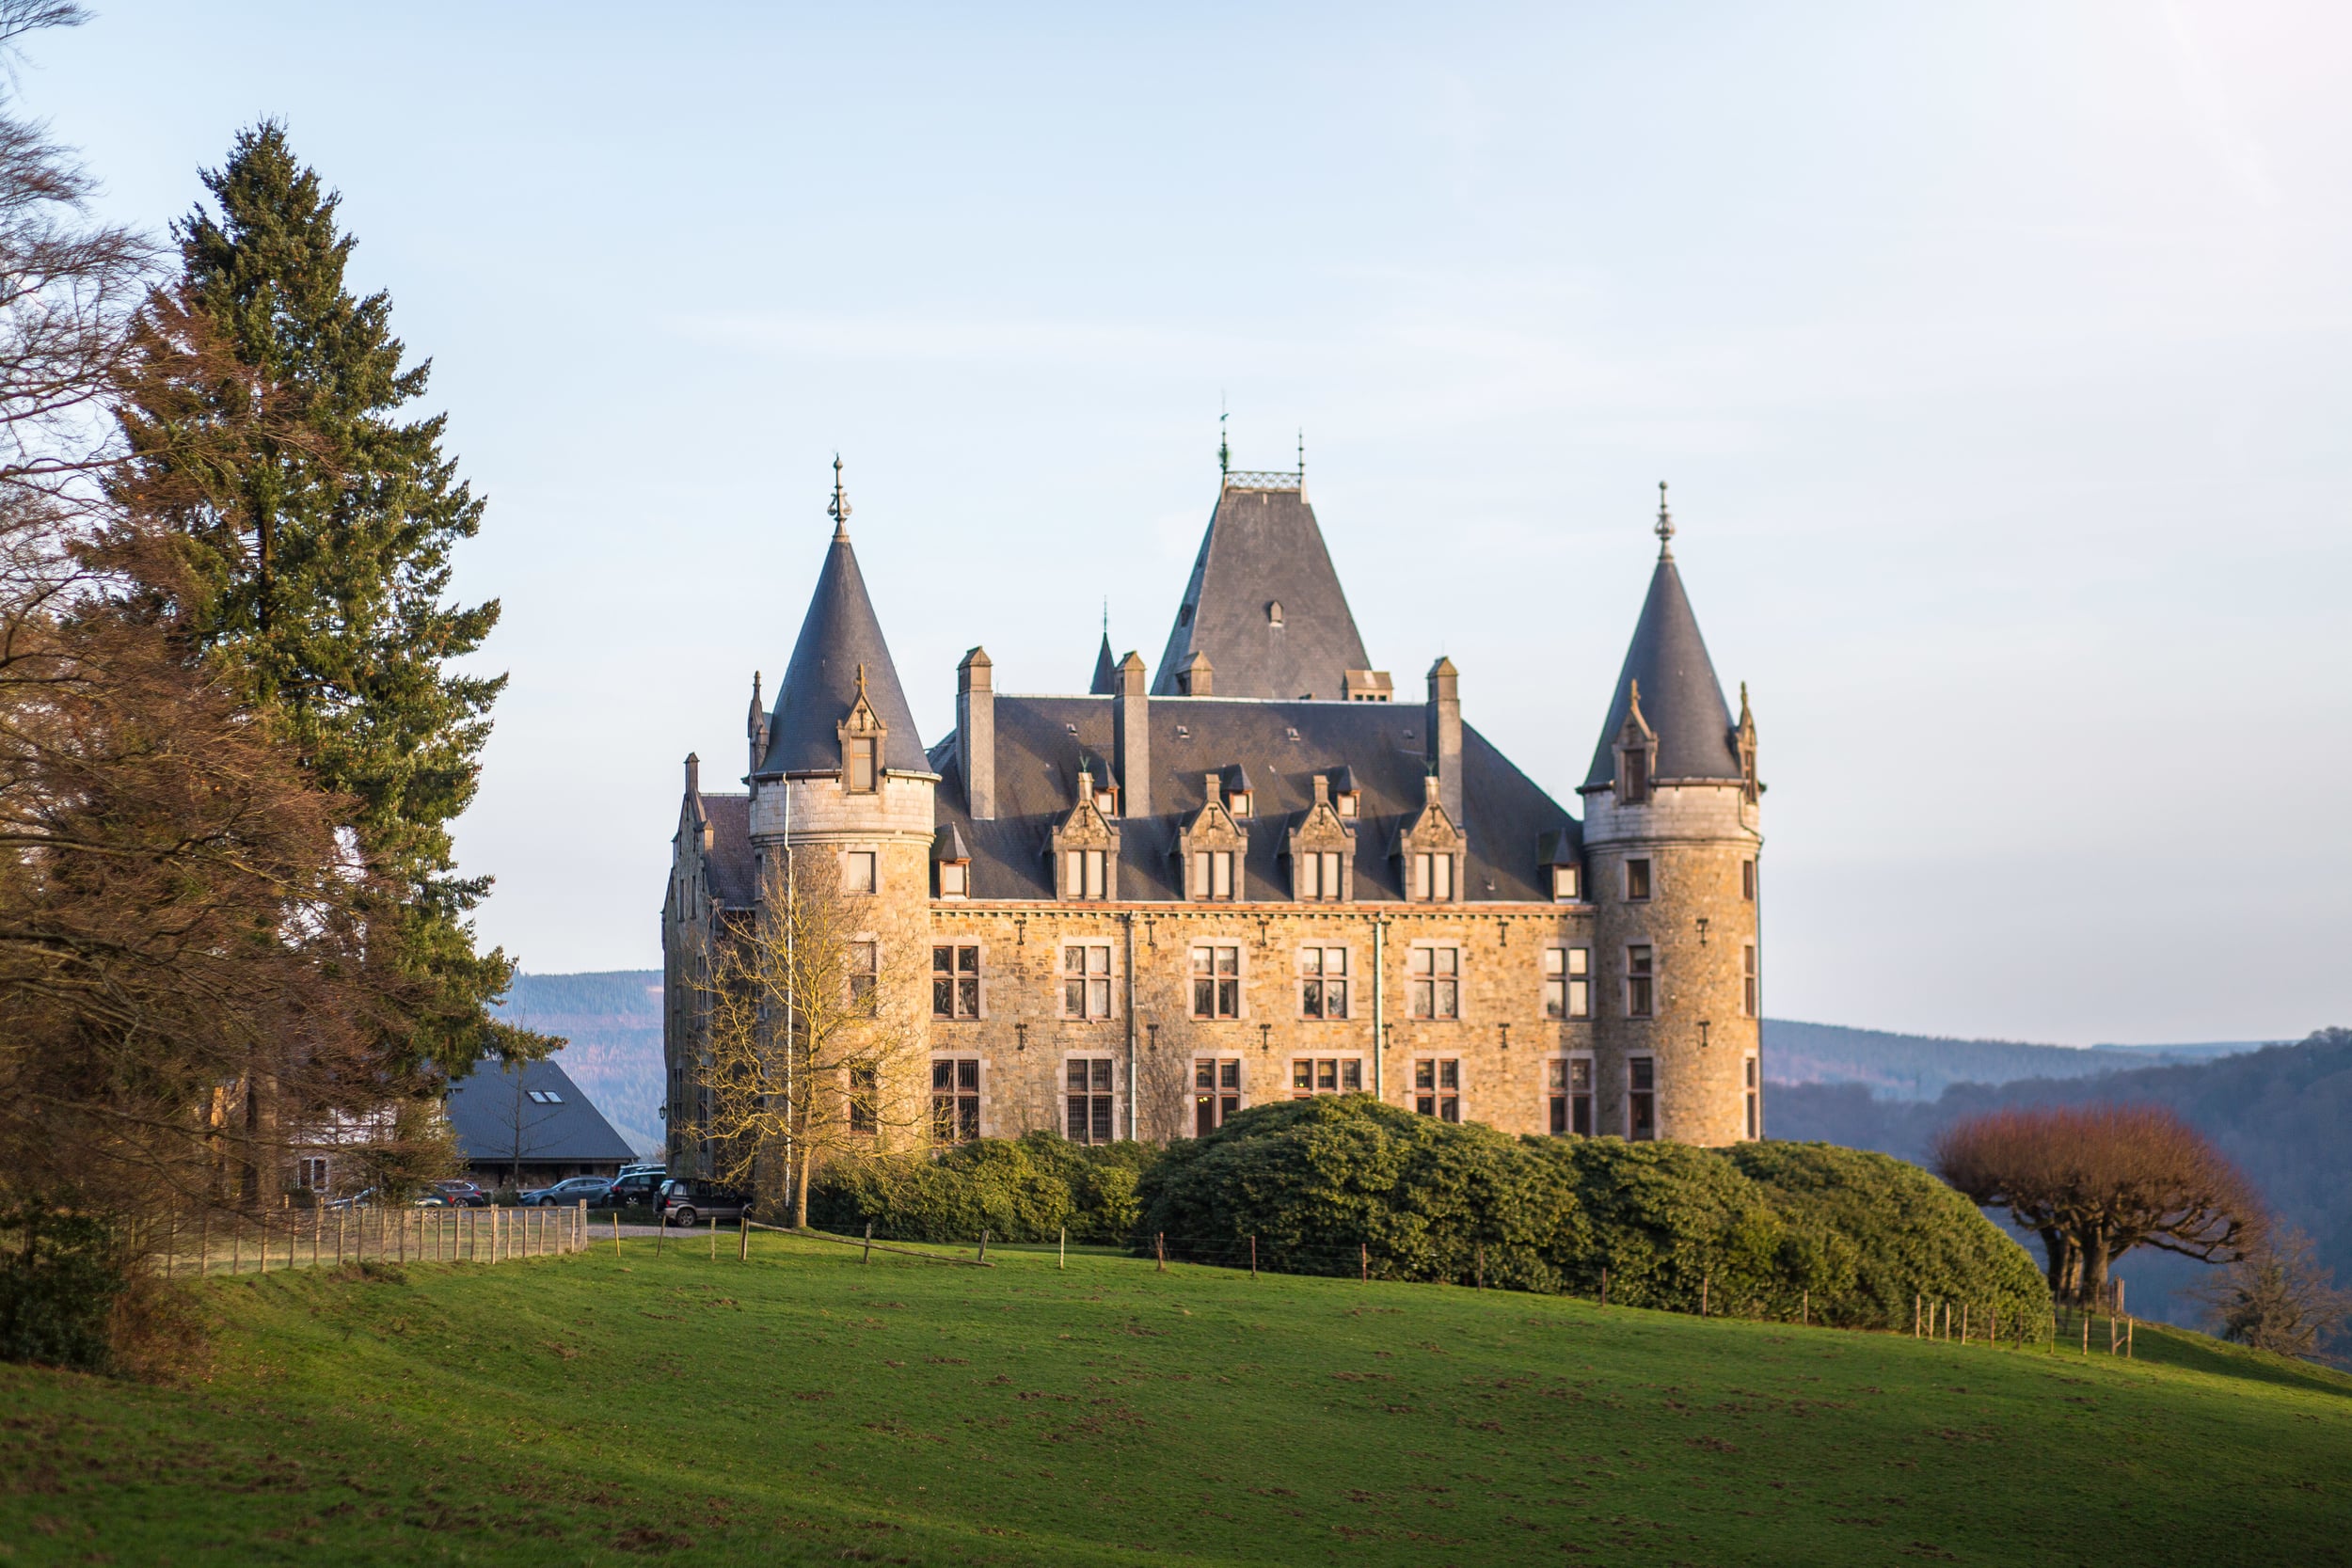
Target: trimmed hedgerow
1025,1189
1330,1185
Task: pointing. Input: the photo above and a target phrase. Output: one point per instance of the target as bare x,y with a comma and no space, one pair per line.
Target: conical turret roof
1264,603
1106,671
840,635
1681,700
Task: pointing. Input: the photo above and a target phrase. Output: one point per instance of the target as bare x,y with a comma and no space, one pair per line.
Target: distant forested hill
2284,1113
1920,1067
613,1022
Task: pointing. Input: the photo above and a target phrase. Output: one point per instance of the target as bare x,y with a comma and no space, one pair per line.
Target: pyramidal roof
839,635
1263,603
1681,700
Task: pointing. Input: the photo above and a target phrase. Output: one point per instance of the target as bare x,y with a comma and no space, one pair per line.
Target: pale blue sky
1997,354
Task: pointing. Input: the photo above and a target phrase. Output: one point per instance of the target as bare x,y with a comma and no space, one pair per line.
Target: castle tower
845,776
1672,832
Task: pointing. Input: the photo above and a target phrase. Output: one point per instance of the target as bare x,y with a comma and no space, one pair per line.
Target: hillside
803,1409
2281,1113
614,1023
1920,1067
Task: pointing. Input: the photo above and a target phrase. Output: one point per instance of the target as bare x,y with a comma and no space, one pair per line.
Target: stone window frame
956,947
864,997
864,739
1101,1094
1223,1099
1641,983
1460,949
957,1092
1323,976
851,855
1750,980
1079,836
1633,1076
1754,1090
865,1111
1240,948
962,872
1747,879
1107,977
1646,882
1563,1091
1567,884
1343,1079
1213,831
1432,834
1323,841
1636,747
1439,1096
1569,978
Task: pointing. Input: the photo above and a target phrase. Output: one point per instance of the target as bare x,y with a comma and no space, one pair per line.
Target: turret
1672,831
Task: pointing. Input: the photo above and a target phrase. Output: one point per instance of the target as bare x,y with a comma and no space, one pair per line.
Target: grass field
802,1407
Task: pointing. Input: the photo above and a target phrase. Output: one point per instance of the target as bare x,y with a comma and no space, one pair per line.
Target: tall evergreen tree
263,420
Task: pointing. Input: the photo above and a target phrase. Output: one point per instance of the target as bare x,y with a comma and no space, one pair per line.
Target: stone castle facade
1252,874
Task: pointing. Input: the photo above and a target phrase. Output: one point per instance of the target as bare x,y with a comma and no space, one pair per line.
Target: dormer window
1433,877
1348,802
1211,848
1083,874
1568,884
1636,776
1241,802
1637,750
1273,613
860,732
1107,801
861,765
1086,847
955,878
1213,874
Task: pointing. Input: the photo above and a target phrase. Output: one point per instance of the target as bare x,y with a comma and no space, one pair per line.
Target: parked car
685,1200
642,1166
633,1189
567,1191
463,1195
363,1198
432,1198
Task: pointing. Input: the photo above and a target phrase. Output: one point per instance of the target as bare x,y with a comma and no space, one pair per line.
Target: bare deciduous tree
2096,1181
2278,1298
815,1049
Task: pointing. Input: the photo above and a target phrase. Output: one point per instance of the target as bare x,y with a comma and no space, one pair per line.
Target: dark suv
688,1198
637,1190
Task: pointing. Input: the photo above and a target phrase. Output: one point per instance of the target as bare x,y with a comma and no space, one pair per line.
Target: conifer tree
264,422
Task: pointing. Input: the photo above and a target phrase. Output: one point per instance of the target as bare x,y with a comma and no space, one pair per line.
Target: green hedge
1027,1189
1330,1185
60,1275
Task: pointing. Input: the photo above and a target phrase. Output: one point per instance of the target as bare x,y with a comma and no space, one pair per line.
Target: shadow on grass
2201,1353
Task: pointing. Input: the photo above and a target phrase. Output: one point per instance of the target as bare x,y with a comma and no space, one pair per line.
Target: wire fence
231,1241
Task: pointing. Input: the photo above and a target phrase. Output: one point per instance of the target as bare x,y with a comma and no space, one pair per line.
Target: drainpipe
1128,920
1380,1006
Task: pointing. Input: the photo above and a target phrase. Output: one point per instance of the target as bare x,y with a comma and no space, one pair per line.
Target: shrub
1025,1189
59,1283
1758,1229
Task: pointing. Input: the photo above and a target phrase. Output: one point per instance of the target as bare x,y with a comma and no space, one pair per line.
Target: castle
1251,875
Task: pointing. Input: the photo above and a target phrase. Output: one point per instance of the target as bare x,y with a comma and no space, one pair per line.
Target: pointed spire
1105,682
840,656
1224,452
1665,529
1668,682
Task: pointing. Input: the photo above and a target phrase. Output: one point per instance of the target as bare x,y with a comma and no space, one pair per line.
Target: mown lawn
802,1407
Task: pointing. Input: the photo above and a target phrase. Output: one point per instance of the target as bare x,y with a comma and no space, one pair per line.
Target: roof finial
861,680
839,510
1302,454
1106,617
1665,530
1224,452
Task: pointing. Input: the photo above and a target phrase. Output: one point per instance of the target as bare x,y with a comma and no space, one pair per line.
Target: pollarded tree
318,540
815,1050
2094,1182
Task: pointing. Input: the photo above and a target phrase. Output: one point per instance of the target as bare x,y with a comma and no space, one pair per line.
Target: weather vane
1665,530
839,510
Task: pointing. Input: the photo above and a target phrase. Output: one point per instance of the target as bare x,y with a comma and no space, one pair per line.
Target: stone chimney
1445,737
1133,737
976,733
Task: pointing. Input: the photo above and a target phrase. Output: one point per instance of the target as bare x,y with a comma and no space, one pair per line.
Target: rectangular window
956,1100
311,1173
1641,1101
1640,971
1213,872
1217,982
955,878
1322,982
1572,1096
1438,1087
1319,876
1215,1093
1752,1105
1567,982
1315,1075
1086,980
955,982
860,870
1091,1106
865,967
1437,985
865,1096
1747,980
1568,884
1433,878
1636,880
861,764
1747,881
1086,874
1636,776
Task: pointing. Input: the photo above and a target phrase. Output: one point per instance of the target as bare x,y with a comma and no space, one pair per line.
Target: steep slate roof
1106,671
1282,745
490,1112
729,857
1681,700
1263,548
839,633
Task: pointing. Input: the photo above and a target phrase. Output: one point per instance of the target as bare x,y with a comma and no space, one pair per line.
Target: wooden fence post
983,1258
1706,1279
1963,1322
236,1242
2086,1334
1159,1246
2129,1323
1604,1283
1805,1311
1915,1314
742,1238
1363,1261
616,1232
260,1250
867,1255
1479,1262
1253,1257
1061,1244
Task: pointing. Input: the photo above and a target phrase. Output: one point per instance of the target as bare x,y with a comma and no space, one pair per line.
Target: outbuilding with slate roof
1254,875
